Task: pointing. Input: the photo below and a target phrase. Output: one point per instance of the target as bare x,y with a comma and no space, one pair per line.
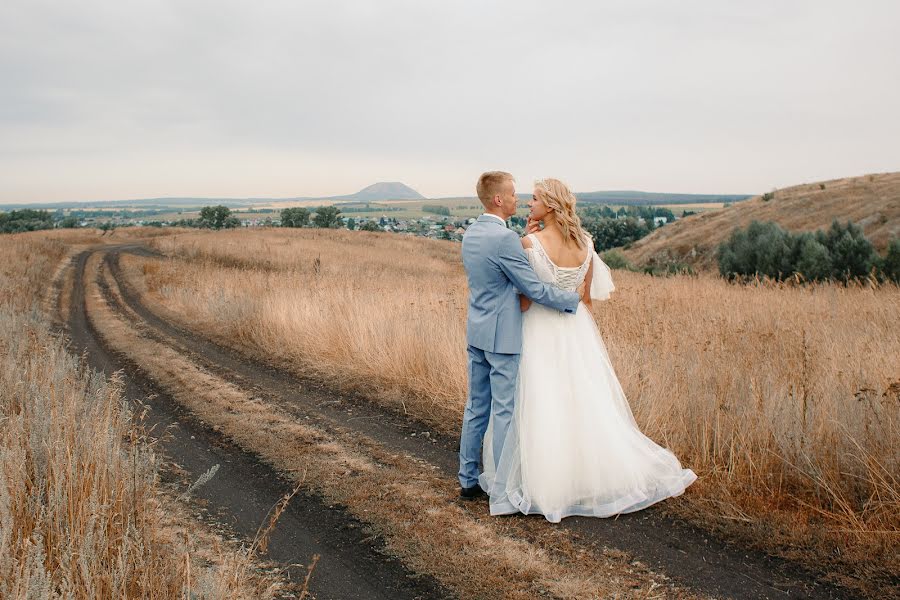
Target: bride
573,447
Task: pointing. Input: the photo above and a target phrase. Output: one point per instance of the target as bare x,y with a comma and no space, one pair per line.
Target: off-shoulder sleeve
529,253
601,281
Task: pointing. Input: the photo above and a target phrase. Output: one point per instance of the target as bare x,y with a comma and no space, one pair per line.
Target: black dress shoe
471,493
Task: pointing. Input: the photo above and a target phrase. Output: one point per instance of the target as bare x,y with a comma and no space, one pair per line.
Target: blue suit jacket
497,270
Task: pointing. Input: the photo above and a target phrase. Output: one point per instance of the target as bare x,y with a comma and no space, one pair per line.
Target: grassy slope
872,201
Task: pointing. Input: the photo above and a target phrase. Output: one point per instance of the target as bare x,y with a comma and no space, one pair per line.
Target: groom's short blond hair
490,184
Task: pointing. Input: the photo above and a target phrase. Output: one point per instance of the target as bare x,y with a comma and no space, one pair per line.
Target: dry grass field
82,511
785,400
872,201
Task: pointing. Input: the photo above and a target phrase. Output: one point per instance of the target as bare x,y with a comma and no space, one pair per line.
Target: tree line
221,217
27,219
840,253
622,227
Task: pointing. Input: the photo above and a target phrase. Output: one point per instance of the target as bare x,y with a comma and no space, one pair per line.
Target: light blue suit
497,270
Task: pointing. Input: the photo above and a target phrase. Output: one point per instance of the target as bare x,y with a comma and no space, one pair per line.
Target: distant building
660,220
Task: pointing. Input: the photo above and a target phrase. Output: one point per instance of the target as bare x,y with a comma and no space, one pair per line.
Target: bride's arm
586,294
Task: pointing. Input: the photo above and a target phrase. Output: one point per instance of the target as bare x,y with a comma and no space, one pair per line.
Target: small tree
813,260
852,255
294,217
370,226
760,249
327,217
218,217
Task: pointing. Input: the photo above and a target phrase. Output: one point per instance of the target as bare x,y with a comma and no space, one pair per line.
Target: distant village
429,226
608,226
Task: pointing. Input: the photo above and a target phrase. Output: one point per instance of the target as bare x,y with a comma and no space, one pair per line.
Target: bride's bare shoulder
526,242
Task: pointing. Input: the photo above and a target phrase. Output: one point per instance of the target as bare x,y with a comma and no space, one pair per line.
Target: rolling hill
870,201
385,190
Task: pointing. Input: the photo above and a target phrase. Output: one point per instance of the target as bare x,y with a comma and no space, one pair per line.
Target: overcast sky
137,98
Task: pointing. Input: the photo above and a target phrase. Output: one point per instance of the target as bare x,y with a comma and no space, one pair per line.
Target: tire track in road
244,489
691,557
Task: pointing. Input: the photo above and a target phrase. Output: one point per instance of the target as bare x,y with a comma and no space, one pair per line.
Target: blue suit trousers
492,390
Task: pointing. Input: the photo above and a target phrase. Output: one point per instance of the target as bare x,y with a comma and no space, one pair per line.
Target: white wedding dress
573,447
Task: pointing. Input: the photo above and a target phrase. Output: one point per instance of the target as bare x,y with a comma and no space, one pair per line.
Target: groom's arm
514,263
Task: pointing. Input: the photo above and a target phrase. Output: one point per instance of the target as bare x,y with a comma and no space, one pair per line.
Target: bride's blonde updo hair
558,198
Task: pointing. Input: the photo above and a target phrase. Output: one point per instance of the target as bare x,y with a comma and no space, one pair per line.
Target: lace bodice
566,278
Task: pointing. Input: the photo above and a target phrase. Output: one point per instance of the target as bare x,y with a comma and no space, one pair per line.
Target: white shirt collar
493,217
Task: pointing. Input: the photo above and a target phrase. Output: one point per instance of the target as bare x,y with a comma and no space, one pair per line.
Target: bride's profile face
537,206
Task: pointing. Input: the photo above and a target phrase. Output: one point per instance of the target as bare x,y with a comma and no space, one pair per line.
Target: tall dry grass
365,310
82,514
785,400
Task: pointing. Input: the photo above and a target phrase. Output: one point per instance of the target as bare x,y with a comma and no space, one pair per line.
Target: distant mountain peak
386,190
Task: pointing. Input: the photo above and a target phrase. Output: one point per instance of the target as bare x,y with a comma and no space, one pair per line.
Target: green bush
839,253
615,260
852,255
813,260
763,249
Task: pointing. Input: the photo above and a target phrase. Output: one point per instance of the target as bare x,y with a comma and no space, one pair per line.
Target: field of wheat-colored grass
82,512
783,399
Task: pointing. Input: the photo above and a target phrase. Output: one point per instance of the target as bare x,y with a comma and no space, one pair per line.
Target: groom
497,270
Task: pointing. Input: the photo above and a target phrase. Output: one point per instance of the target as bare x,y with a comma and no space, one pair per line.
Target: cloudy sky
113,99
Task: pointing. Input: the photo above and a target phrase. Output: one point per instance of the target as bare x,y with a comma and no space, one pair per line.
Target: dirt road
244,489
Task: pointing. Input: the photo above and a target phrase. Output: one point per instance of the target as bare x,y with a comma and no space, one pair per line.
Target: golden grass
783,399
871,201
82,513
397,296
481,558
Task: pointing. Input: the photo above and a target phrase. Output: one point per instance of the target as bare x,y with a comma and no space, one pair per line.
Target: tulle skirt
573,447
